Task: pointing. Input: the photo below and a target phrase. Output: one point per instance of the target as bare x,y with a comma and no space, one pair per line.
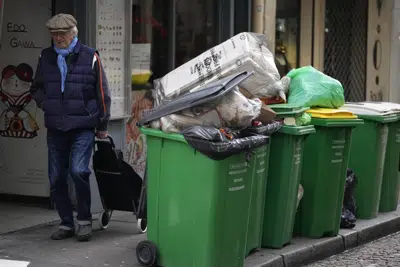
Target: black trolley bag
120,187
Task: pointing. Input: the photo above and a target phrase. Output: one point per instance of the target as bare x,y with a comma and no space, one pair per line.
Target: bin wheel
146,253
142,225
104,220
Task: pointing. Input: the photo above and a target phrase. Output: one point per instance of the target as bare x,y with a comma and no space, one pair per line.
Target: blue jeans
70,153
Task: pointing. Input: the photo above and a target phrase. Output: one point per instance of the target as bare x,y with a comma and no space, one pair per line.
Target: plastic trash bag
303,120
348,217
176,123
237,111
312,88
205,133
222,150
234,110
268,129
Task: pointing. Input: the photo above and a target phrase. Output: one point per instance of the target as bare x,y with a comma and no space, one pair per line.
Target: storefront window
287,35
196,28
149,50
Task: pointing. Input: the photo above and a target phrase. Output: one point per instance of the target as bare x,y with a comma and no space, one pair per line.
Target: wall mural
17,110
136,146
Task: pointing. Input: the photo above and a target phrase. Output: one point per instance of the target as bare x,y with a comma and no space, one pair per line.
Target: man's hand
101,134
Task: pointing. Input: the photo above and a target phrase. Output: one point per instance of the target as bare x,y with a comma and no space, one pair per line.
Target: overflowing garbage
231,100
236,87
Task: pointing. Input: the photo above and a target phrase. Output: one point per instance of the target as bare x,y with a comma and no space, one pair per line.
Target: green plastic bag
303,120
311,88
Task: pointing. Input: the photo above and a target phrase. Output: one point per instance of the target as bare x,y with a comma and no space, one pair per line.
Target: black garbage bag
348,218
216,146
205,133
268,129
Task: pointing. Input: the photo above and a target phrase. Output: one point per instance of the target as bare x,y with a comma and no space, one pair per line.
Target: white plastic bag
237,111
176,123
234,110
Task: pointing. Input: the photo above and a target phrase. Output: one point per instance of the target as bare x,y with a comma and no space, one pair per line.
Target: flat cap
61,23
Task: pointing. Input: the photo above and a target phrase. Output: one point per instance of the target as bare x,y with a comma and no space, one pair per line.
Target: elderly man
70,86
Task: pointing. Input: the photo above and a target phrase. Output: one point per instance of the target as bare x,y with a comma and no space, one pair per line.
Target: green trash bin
390,181
376,170
197,208
326,155
282,184
367,161
259,168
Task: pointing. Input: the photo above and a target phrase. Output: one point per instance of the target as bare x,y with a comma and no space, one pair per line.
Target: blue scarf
62,64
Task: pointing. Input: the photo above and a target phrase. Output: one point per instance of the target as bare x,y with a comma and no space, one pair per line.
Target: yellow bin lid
330,113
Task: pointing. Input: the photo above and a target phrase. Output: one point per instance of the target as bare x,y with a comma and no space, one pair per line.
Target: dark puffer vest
77,107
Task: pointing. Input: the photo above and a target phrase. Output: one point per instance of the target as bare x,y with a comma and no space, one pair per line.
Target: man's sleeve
103,94
37,87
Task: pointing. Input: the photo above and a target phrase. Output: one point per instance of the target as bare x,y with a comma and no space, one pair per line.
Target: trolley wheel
142,225
146,253
104,220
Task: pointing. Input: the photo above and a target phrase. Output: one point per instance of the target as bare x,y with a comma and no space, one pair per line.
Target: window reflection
150,37
287,35
196,26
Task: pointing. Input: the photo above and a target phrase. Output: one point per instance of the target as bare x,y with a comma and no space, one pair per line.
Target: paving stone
384,252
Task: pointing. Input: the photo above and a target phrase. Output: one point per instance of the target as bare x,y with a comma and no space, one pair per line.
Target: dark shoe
84,233
62,234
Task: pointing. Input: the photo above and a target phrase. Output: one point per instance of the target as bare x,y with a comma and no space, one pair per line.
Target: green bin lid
297,130
381,112
379,118
336,122
161,134
287,110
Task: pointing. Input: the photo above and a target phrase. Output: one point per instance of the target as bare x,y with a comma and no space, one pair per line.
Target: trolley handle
108,139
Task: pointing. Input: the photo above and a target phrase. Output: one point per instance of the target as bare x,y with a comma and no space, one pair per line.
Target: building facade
131,36
354,41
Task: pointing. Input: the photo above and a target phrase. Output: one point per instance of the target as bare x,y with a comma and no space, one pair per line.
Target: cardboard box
267,114
243,52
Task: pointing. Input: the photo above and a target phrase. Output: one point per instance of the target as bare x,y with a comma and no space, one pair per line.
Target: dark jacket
85,102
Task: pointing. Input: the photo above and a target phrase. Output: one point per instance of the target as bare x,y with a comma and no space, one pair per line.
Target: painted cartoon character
16,105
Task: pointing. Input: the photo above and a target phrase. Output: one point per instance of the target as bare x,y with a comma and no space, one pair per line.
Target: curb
305,251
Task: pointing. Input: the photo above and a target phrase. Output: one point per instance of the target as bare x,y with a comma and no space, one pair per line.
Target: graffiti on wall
136,145
17,110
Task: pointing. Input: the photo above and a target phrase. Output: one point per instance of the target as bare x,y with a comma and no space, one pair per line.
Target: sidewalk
16,216
115,247
303,250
